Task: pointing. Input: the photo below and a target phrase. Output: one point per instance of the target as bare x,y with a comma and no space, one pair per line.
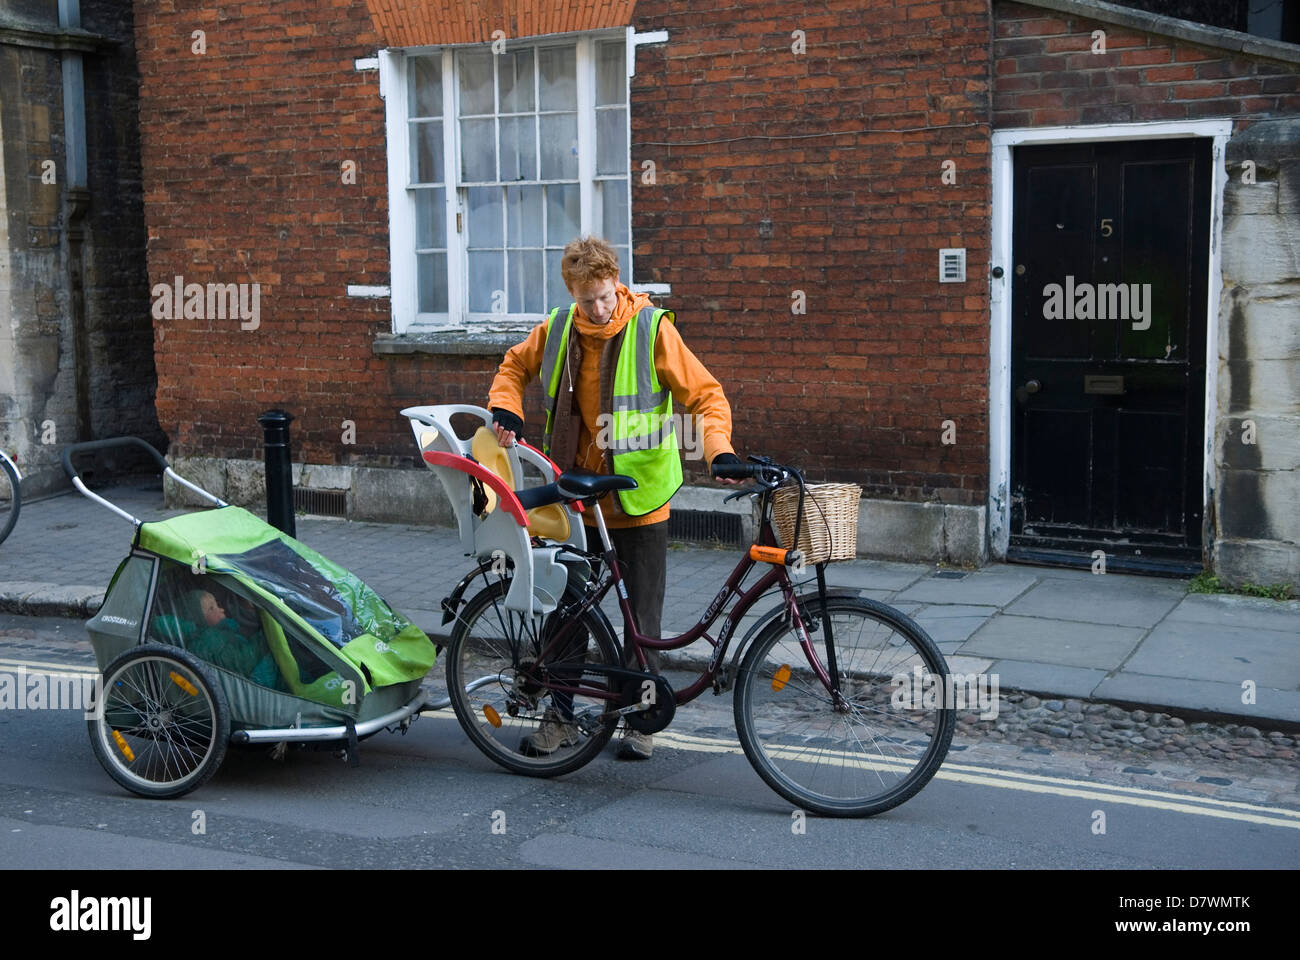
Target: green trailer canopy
326,602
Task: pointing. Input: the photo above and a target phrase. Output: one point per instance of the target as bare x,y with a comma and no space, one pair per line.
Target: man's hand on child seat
506,426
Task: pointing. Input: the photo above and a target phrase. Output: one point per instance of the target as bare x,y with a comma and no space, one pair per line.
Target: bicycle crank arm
646,701
637,707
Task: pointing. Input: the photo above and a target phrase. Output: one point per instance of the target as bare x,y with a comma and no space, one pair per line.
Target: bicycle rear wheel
511,710
10,499
880,746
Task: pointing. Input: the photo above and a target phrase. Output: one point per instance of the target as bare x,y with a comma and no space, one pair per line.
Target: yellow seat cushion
485,449
550,521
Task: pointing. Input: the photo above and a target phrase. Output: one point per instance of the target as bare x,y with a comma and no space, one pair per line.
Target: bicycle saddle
573,486
592,484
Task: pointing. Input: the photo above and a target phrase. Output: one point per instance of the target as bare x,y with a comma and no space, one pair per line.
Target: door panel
1154,247
1055,493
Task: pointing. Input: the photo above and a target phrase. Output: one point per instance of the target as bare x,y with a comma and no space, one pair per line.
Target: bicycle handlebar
767,472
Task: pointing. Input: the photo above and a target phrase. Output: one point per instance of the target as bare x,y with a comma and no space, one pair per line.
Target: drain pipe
78,203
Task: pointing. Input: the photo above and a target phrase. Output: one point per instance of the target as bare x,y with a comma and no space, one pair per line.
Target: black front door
1109,278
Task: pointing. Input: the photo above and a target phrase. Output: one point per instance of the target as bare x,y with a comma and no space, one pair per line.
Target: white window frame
394,88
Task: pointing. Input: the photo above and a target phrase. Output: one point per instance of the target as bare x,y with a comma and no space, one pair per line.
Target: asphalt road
429,799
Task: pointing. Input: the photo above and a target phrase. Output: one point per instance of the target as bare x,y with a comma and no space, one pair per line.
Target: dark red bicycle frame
640,642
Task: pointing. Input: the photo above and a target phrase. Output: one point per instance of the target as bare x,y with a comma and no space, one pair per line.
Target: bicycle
11,494
834,695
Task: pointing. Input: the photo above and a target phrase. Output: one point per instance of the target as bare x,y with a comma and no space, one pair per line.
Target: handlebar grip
90,445
736,471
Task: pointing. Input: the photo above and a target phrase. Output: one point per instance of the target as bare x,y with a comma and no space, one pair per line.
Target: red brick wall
1046,75
242,152
841,149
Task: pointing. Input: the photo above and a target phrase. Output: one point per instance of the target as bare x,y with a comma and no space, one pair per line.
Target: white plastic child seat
539,573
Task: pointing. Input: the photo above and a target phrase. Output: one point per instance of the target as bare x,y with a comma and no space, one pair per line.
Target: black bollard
279,470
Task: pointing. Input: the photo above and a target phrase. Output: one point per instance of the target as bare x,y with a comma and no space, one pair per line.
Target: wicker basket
829,530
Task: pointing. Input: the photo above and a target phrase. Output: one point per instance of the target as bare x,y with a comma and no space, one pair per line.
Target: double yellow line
1031,783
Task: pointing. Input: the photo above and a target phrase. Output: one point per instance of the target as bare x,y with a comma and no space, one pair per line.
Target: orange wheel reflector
124,747
493,717
781,677
183,684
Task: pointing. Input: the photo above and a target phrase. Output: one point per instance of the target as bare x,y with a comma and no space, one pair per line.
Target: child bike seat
496,520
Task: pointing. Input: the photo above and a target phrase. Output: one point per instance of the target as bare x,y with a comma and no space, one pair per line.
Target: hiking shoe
635,746
553,734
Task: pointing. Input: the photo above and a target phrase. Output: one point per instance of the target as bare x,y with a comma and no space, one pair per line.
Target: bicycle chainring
663,705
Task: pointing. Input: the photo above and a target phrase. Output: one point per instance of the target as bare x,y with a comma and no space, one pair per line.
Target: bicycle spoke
856,754
521,721
149,703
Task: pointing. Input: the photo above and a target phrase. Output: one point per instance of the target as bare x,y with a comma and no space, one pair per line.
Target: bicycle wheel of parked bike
10,498
502,695
884,741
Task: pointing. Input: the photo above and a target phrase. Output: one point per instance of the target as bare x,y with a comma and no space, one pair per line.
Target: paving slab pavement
1137,641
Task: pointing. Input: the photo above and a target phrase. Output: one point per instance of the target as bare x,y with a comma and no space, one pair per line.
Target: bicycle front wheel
10,499
874,749
502,689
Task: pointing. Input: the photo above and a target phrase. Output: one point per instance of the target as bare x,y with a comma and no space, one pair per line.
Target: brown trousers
643,559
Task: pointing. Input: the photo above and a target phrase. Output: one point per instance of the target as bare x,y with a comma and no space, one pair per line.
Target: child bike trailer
218,628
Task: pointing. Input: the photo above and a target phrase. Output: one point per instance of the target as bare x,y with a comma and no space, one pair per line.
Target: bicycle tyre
11,499
163,725
476,650
792,736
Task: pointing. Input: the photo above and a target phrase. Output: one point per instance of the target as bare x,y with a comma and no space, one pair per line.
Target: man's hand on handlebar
764,471
724,459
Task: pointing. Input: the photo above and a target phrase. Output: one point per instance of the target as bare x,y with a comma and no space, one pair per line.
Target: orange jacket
694,390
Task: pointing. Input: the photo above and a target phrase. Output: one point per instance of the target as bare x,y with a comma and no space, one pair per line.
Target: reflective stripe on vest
552,358
639,430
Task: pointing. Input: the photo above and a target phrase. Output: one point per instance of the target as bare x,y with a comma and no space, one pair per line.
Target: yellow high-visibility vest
641,431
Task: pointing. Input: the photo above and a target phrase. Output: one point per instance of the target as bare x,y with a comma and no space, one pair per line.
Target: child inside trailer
224,630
